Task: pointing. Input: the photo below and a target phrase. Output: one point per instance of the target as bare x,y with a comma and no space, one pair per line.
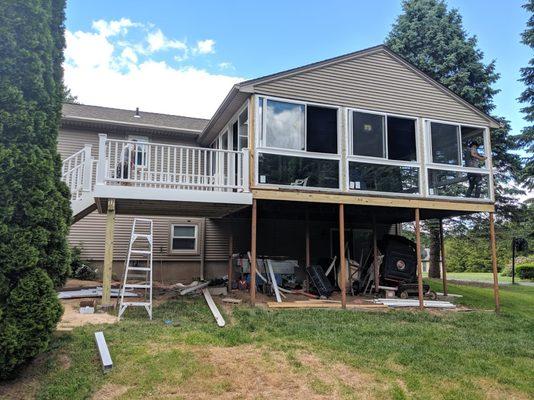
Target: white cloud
226,65
102,70
113,28
157,41
205,46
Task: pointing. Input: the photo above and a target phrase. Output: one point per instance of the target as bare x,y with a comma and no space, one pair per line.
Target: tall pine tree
34,203
433,38
526,139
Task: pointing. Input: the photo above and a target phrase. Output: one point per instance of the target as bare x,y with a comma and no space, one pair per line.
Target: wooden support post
376,267
419,261
253,254
443,264
494,263
108,254
308,257
230,252
342,259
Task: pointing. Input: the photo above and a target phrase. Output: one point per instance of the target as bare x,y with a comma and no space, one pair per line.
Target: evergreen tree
433,38
526,139
34,203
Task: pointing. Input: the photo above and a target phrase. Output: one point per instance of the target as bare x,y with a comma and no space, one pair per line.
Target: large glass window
243,129
472,137
298,171
458,184
383,178
321,129
401,139
368,134
299,127
445,143
383,136
284,125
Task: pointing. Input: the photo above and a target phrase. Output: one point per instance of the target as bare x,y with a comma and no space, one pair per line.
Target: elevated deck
153,178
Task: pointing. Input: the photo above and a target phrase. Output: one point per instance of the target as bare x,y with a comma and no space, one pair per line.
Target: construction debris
232,300
214,310
90,292
197,286
414,303
322,304
103,350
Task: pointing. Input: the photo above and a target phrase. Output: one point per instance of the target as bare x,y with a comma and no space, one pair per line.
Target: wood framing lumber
231,300
214,310
494,263
312,304
193,288
443,263
108,254
321,197
103,351
253,254
419,260
342,259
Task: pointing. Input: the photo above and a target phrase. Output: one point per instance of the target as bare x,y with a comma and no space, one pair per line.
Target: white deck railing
158,165
77,172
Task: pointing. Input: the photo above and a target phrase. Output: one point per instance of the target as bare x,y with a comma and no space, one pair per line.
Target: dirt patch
110,392
495,392
72,318
248,372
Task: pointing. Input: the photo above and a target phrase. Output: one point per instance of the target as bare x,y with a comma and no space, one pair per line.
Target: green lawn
480,277
312,354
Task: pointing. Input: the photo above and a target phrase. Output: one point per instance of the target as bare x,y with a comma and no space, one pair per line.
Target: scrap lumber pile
394,303
323,304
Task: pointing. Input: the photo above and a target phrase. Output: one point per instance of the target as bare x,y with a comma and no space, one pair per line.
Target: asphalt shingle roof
116,115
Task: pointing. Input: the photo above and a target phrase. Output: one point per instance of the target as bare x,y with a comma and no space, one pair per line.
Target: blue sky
213,44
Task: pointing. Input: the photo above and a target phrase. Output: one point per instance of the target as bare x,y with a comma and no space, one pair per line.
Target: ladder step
142,235
136,286
136,303
138,269
140,251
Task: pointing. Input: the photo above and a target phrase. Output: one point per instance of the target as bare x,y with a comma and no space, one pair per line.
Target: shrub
525,271
32,312
80,269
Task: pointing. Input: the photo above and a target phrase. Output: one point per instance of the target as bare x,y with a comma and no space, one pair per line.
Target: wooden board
313,304
321,197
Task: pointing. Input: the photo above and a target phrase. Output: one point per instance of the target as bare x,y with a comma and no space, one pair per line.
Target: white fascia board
163,194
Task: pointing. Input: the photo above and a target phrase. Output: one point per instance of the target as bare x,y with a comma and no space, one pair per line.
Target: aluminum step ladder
138,265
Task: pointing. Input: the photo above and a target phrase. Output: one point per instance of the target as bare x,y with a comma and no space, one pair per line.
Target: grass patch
306,353
481,277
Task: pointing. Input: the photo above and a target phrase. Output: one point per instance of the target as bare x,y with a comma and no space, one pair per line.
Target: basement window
184,238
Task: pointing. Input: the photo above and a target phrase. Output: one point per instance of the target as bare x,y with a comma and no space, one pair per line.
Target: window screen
321,129
445,146
401,139
284,125
368,134
472,135
184,237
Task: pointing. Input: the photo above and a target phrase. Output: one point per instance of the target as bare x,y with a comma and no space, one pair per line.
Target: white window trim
260,148
171,237
486,170
385,159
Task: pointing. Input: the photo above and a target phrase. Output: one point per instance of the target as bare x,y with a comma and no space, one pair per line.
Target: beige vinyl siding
376,82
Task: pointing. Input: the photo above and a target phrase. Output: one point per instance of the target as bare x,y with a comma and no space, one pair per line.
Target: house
293,164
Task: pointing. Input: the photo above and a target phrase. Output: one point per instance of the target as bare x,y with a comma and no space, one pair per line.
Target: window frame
382,160
429,163
259,147
194,251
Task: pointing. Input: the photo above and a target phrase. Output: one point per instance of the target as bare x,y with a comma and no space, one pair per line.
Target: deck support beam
443,264
342,259
308,256
419,261
376,266
494,262
108,254
253,255
230,253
